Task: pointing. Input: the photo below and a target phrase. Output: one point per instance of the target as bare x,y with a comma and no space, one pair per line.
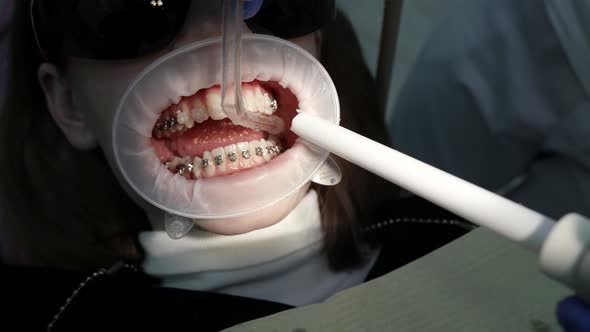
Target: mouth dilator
178,149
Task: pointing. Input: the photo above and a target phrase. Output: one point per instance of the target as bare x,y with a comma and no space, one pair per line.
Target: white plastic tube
565,256
482,207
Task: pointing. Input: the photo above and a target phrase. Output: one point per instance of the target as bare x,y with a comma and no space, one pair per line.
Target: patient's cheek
97,87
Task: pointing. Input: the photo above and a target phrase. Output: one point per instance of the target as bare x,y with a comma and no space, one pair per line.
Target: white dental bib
282,263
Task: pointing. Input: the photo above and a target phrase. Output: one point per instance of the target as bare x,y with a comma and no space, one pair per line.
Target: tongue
203,137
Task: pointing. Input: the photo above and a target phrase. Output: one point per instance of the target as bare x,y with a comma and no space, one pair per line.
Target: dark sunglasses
126,29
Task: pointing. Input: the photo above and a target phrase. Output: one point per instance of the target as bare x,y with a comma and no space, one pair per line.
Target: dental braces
185,169
175,121
274,104
167,124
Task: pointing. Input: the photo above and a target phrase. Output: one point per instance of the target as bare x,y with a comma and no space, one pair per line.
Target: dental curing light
563,246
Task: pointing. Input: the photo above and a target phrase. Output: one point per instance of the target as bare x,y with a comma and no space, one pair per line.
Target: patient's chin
258,220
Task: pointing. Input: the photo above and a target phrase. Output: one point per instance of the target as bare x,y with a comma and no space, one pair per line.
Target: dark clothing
132,301
127,301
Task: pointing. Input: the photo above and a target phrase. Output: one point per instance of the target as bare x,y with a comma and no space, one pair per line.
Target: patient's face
190,134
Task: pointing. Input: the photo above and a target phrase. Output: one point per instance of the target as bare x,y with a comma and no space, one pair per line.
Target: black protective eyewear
126,29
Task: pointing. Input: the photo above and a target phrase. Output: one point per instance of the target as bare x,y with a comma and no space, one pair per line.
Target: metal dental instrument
563,246
231,81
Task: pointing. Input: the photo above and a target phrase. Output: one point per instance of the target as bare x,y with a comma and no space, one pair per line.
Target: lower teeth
184,168
270,150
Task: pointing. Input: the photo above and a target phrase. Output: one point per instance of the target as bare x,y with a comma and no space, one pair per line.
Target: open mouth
195,139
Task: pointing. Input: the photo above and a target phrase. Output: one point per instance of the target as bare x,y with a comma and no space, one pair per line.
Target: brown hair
63,207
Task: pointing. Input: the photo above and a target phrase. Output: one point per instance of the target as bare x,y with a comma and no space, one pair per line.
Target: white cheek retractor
198,66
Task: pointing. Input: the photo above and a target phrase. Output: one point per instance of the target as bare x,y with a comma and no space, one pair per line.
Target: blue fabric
571,20
574,315
251,8
493,97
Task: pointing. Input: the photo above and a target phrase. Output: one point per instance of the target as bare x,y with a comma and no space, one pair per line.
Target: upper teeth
258,100
195,110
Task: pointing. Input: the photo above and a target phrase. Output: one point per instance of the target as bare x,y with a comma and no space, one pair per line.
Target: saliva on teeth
226,160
